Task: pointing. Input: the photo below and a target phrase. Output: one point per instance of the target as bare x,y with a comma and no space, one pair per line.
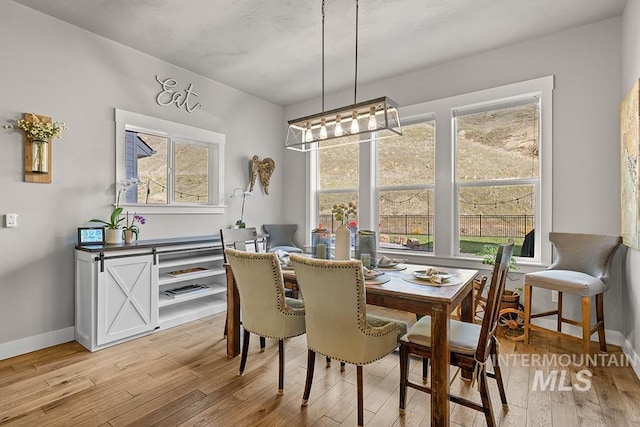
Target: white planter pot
113,237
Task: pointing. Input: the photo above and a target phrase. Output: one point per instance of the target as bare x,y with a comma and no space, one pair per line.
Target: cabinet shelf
191,310
166,279
189,261
214,289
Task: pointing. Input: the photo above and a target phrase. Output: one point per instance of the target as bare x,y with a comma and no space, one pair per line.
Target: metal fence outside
515,226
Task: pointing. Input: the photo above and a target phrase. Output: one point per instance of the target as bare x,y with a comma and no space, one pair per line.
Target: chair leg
527,313
328,362
498,372
280,367
342,365
311,362
425,370
600,320
586,324
404,372
263,343
245,350
360,396
486,399
559,311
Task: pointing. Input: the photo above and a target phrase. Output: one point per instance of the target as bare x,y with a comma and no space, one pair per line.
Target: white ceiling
272,48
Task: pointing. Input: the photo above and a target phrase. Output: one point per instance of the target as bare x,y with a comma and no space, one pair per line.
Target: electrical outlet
11,220
554,296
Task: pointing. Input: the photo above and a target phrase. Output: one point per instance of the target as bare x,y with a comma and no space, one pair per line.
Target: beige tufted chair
338,325
581,268
265,310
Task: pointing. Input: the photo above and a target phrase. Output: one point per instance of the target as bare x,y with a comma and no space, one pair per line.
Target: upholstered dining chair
281,237
265,309
338,325
582,267
471,345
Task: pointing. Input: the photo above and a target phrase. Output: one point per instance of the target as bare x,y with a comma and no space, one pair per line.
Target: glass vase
366,245
40,161
320,244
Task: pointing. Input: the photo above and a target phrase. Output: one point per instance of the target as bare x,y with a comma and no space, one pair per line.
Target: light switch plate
11,220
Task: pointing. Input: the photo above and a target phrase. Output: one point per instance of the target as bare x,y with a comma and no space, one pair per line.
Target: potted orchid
113,226
131,228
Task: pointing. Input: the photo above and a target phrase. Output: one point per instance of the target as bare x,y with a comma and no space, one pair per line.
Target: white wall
586,65
630,73
57,70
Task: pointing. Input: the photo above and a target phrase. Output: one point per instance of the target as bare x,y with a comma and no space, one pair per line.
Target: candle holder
366,248
321,243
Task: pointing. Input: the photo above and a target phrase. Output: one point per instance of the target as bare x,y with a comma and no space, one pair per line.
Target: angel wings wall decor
262,169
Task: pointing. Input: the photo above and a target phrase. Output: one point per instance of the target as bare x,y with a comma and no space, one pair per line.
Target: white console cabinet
126,291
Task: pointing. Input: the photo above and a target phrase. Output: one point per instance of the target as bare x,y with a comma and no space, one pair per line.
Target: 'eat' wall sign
170,95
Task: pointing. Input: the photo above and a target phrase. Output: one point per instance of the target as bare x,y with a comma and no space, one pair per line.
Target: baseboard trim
613,337
36,342
628,350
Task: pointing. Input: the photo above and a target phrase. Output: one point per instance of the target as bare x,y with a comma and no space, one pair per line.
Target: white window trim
126,120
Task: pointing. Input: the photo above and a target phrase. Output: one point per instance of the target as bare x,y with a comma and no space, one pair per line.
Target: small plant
132,226
489,253
342,212
115,219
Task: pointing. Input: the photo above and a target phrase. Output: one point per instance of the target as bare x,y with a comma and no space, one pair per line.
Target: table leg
440,366
233,315
467,315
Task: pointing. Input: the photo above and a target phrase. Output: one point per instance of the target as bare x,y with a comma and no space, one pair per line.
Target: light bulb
354,123
308,136
372,119
323,129
338,129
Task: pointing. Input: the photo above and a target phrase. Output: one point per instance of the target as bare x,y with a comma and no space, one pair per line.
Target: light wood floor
182,376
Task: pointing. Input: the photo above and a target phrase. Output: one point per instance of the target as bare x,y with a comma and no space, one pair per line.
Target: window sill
173,209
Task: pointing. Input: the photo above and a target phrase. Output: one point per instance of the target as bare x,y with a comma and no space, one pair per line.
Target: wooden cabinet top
156,243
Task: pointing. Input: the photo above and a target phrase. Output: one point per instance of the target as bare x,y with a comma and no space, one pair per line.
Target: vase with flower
113,232
244,194
40,132
132,229
342,212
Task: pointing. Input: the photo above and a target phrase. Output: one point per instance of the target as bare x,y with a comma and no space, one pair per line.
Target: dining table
399,287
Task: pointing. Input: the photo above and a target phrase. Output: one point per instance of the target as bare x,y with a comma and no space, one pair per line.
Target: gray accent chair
281,237
265,310
338,325
581,268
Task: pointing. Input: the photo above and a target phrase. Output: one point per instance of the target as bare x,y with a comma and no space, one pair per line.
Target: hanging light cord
323,56
355,84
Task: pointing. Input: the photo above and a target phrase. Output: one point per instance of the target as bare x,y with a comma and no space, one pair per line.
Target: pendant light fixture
362,121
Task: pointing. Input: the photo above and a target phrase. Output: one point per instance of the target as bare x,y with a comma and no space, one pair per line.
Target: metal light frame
360,122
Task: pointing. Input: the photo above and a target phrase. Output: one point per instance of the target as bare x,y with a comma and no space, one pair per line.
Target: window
337,182
497,167
180,167
469,170
406,176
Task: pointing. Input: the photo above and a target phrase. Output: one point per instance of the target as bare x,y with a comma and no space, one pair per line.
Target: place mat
450,282
377,280
396,267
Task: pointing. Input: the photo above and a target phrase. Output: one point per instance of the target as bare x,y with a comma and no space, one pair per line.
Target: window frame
445,188
175,133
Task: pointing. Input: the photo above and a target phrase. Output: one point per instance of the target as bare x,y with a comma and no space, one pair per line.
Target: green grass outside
470,245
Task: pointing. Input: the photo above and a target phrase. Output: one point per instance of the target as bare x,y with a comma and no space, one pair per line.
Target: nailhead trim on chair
277,276
356,266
